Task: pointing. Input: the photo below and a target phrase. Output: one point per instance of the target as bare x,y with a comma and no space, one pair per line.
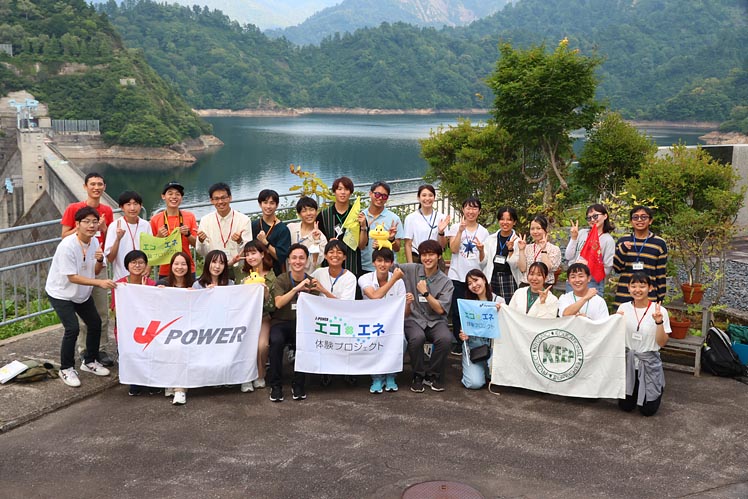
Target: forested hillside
71,58
664,59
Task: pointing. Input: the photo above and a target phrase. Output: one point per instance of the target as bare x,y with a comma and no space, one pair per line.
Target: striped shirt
328,219
652,253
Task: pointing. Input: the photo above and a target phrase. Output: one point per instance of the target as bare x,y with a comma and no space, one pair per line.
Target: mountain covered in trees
71,58
663,59
350,15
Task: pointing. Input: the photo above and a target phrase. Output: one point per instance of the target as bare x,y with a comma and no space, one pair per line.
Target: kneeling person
582,300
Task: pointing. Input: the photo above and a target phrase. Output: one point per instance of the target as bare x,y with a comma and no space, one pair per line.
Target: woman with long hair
215,271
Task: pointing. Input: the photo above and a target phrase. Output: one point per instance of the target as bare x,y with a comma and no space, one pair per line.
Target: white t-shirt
343,287
129,242
594,309
645,339
468,257
420,228
370,281
68,260
296,237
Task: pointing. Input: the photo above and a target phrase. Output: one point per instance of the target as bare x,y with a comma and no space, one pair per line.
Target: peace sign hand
544,294
657,314
478,243
574,230
522,242
316,234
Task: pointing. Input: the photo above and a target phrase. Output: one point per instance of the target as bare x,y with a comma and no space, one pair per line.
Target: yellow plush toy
254,278
381,236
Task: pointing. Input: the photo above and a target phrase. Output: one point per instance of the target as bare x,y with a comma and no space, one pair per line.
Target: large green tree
540,98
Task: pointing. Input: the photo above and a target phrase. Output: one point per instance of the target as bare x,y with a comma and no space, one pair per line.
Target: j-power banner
185,338
349,337
572,356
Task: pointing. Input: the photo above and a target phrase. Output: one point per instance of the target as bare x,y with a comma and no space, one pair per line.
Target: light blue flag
479,318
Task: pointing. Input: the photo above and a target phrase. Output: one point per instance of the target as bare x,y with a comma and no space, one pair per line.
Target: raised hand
574,230
397,273
544,294
522,242
316,233
444,223
262,237
393,229
120,230
657,314
422,286
202,236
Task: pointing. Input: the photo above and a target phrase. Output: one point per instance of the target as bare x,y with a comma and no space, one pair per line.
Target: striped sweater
652,252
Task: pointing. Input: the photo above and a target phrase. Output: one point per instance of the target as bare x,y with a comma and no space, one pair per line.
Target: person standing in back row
271,231
164,223
95,188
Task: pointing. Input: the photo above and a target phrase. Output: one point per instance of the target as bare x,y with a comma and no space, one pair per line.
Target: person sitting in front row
535,300
334,280
583,299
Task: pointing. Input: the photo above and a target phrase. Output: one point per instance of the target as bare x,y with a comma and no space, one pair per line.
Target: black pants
417,335
458,293
649,408
282,334
66,311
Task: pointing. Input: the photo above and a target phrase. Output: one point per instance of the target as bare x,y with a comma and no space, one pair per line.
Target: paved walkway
343,442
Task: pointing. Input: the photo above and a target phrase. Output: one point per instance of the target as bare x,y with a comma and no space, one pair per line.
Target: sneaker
180,398
69,376
376,385
456,350
104,359
135,391
350,379
435,384
247,387
326,380
259,383
276,394
390,385
152,390
417,385
168,392
298,392
95,368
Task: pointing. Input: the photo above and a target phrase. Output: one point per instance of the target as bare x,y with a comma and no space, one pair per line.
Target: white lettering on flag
170,337
349,337
571,356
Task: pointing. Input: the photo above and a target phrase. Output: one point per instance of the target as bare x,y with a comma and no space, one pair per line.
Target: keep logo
557,355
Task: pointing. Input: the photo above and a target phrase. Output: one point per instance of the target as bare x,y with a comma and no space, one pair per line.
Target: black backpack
718,356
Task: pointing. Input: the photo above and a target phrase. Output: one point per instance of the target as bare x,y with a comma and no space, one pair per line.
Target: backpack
37,372
718,356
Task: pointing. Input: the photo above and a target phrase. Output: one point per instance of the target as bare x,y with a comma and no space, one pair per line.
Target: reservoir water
258,151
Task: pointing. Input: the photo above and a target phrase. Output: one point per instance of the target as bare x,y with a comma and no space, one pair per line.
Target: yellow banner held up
159,250
351,225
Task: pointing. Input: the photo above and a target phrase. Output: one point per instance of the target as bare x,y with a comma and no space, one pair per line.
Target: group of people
309,256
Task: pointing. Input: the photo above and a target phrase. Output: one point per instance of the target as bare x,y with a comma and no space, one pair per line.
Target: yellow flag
352,226
160,249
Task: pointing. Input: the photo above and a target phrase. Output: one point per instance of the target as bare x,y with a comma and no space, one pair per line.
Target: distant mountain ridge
351,15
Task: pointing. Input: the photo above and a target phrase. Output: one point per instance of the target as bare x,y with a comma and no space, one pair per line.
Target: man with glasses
225,229
95,188
72,276
377,214
643,251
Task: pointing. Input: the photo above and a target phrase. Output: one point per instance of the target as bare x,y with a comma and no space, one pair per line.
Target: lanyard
639,321
531,299
506,241
332,284
83,248
341,218
429,221
638,254
220,230
166,221
587,306
536,253
270,229
132,236
293,283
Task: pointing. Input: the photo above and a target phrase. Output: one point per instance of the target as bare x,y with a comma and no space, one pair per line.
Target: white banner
571,356
349,337
170,337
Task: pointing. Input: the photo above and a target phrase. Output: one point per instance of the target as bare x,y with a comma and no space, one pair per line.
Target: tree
614,151
540,98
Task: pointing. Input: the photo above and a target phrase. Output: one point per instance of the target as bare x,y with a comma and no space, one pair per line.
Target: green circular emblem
557,354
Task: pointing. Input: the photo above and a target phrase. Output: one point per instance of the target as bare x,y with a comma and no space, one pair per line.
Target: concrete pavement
344,442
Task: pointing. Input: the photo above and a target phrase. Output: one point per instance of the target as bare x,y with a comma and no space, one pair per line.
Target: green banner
160,249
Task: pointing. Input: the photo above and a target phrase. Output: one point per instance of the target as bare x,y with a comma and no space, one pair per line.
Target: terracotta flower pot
692,294
679,328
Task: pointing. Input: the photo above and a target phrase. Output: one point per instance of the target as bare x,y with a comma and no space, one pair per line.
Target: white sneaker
259,383
180,398
168,392
69,376
95,368
247,387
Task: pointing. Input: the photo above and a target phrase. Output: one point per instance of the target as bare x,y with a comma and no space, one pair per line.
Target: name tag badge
338,230
422,299
98,234
638,266
314,249
637,336
293,306
501,260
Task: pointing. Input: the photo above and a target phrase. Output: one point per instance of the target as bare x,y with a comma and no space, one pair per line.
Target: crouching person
285,292
76,262
647,330
427,302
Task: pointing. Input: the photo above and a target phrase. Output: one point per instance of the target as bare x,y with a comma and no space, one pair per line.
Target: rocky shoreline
719,138
91,148
358,111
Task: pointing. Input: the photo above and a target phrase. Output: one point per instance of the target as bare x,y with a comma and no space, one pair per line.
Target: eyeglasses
593,217
380,195
138,263
636,218
220,198
89,221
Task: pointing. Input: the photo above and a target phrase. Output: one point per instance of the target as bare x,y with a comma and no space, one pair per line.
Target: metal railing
22,284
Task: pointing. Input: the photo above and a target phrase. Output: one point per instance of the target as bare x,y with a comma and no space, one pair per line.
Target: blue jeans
474,374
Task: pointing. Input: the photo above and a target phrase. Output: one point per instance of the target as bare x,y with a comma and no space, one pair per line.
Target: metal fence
22,282
75,126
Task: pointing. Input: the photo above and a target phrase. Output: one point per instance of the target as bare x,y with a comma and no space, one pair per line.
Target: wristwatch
425,295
